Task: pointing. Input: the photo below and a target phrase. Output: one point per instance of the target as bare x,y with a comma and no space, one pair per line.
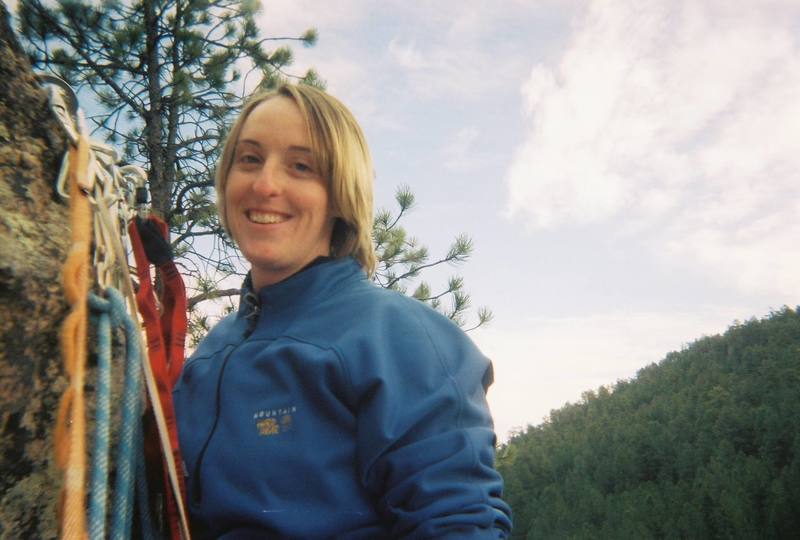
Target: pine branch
211,295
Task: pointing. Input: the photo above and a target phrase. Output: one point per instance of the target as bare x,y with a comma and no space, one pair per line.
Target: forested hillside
704,444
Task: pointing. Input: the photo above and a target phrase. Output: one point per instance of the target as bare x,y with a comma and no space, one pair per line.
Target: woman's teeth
260,217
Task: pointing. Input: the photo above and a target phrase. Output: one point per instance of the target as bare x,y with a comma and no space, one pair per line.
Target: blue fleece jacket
338,409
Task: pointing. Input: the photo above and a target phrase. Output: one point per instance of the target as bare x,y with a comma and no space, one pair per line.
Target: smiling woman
276,201
328,407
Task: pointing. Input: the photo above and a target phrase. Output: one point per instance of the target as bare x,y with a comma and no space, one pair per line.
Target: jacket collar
318,280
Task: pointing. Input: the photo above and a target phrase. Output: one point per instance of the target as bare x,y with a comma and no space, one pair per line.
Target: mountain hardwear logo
274,421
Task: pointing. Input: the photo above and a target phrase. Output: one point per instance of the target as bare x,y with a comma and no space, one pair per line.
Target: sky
627,170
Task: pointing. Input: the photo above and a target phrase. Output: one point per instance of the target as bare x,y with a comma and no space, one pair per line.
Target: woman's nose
268,182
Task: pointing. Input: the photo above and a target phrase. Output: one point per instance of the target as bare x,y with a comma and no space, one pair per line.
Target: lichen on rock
33,243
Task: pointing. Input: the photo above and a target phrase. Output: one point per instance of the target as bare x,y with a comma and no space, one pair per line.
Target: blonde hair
342,155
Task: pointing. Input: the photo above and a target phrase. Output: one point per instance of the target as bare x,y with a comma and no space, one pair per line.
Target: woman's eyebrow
248,141
293,148
304,149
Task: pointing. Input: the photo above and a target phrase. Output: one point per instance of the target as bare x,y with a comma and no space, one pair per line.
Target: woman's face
276,201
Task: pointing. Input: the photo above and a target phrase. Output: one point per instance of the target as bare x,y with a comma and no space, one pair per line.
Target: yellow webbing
70,429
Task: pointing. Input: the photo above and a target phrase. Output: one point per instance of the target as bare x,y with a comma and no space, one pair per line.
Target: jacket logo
274,421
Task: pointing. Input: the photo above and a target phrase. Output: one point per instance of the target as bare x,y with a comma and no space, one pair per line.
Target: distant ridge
704,444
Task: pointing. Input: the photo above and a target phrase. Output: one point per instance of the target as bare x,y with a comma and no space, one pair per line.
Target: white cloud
679,123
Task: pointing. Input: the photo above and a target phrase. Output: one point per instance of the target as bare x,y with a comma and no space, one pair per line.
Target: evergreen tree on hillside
705,444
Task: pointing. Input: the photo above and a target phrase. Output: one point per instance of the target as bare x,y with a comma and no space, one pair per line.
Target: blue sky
627,170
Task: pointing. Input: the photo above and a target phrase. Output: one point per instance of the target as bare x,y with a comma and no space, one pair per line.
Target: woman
327,407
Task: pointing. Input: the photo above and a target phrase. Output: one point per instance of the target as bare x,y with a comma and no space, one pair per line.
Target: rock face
33,244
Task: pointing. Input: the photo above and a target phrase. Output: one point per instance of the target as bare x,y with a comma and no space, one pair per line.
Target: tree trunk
33,245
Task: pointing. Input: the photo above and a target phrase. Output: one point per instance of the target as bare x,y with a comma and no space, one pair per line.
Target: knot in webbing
114,306
156,247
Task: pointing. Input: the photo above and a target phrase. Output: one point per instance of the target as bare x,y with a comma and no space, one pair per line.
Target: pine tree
168,77
401,260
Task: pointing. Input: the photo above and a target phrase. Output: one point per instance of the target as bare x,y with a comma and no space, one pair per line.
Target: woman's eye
248,158
302,167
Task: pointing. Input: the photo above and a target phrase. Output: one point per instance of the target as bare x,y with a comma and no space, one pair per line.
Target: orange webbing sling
166,335
70,428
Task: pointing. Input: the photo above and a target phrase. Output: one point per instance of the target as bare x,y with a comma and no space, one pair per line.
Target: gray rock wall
34,238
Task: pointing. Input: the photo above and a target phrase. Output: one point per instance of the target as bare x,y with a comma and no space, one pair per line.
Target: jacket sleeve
425,435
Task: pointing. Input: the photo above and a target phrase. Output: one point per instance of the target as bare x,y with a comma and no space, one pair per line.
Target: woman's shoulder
371,303
387,337
373,313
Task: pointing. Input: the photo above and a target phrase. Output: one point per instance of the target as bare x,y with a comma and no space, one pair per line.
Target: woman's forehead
277,119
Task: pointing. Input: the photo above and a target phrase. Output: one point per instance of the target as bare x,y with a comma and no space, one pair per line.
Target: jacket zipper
197,495
254,302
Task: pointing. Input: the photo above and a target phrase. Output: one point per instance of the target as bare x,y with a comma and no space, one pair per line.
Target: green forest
703,444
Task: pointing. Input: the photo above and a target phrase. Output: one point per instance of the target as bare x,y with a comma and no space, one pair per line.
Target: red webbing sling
166,334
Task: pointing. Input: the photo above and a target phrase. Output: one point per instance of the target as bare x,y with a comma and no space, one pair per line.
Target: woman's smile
269,218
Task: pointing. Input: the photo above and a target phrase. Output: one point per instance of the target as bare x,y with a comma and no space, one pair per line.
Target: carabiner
63,103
